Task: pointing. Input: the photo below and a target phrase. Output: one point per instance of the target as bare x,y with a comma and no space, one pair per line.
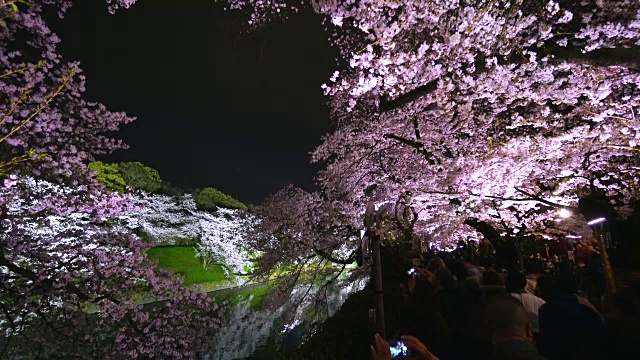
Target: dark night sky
215,107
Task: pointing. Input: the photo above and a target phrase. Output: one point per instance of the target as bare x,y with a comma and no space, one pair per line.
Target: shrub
210,199
140,177
108,175
170,190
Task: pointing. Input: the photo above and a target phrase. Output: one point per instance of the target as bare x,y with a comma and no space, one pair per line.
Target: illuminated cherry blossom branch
45,104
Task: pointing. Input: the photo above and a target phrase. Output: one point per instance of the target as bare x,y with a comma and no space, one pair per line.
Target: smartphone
400,350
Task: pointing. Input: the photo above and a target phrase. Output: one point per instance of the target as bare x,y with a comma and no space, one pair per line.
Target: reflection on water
255,333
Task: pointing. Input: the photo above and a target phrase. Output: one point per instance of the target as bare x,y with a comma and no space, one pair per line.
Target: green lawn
181,260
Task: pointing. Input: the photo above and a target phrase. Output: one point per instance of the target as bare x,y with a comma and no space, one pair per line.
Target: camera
412,271
400,350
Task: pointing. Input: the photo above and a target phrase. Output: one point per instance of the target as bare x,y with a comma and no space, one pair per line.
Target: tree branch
415,94
416,145
547,202
329,257
488,231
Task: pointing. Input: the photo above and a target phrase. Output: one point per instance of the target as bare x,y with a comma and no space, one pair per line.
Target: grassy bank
181,260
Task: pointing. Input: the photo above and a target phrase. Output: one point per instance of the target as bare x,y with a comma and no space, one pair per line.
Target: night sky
215,107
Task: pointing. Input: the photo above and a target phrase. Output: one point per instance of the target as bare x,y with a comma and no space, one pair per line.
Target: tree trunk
507,254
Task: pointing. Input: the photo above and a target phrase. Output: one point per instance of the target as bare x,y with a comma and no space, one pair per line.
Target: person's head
423,296
444,278
534,266
567,285
458,269
544,287
435,264
516,282
489,263
491,278
564,267
507,319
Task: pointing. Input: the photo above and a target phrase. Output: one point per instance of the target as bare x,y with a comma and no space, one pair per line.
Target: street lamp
597,226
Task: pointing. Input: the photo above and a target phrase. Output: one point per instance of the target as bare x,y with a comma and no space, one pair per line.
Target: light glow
564,213
596,221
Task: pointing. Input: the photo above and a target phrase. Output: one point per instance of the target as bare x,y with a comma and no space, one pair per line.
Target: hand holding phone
418,349
381,350
399,351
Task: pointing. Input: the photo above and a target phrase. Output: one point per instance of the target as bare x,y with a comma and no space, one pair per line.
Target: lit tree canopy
299,224
302,237
41,105
486,112
108,175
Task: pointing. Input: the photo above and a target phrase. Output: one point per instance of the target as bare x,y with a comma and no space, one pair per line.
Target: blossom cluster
42,108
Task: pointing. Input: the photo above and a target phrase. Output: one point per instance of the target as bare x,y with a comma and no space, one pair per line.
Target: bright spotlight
564,213
596,221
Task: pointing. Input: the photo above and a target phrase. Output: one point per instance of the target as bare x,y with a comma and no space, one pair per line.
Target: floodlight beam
596,221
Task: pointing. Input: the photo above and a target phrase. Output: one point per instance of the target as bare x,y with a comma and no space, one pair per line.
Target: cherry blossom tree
492,115
222,241
42,108
303,238
220,238
167,220
70,271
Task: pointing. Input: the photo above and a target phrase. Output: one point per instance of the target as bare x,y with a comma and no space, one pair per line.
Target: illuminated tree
302,238
494,114
71,273
218,238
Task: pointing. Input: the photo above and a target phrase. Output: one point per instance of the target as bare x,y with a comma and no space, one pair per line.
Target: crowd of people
463,309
